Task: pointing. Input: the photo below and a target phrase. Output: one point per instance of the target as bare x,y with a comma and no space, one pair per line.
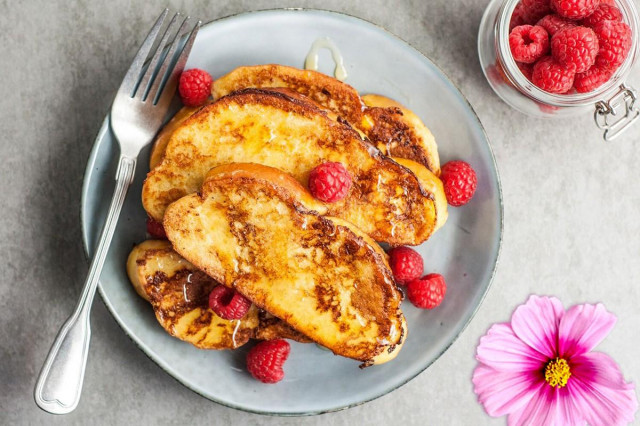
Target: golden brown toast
178,292
391,127
398,132
256,229
271,328
325,91
272,128
433,185
162,139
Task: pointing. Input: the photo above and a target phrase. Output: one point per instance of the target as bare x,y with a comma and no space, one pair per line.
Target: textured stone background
572,210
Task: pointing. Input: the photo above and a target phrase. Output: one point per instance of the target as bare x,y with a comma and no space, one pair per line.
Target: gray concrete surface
572,210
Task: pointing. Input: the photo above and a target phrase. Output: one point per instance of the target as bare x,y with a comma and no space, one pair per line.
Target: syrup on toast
272,128
178,292
391,127
253,228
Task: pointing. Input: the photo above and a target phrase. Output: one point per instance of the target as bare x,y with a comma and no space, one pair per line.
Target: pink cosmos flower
539,370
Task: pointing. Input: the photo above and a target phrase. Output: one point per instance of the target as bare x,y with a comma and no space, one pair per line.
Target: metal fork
137,113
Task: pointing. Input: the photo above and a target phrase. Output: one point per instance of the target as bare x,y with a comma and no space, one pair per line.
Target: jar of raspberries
550,58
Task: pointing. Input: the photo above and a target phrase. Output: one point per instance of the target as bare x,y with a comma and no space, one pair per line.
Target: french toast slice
256,229
391,127
272,128
178,293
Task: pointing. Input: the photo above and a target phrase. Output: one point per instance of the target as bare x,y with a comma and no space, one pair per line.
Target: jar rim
513,73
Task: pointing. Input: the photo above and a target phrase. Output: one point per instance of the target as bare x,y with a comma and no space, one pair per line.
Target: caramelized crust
398,132
433,185
179,292
272,128
391,127
251,230
272,328
325,91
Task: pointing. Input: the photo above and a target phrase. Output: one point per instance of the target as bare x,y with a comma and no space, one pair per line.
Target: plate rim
150,353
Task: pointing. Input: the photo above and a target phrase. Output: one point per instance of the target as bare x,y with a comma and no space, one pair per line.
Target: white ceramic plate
465,251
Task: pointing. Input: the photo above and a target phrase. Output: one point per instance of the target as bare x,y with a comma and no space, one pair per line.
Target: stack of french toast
228,181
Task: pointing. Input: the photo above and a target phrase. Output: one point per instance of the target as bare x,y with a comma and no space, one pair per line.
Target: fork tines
164,67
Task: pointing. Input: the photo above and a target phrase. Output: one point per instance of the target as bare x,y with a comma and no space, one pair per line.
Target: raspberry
265,360
427,292
575,48
517,17
194,87
554,23
534,10
615,43
227,303
551,76
528,43
574,9
525,69
591,79
459,181
329,182
406,264
604,12
155,229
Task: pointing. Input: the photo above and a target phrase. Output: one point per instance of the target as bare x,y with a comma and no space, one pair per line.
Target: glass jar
613,103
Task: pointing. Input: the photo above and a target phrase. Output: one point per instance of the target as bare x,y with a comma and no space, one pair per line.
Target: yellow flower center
557,372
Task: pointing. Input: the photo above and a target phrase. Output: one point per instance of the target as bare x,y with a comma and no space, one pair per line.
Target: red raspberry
329,182
227,303
517,17
534,10
265,360
552,77
528,43
615,43
609,2
575,48
525,69
427,292
591,79
459,181
604,12
194,87
554,23
155,229
406,264
574,9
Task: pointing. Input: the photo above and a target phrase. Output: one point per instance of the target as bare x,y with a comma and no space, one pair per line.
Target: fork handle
60,382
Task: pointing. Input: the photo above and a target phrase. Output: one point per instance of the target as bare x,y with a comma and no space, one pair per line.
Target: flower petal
550,406
502,350
539,411
503,392
536,323
567,411
582,327
599,391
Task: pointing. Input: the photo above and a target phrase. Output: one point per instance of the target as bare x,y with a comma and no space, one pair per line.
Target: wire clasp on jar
618,113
